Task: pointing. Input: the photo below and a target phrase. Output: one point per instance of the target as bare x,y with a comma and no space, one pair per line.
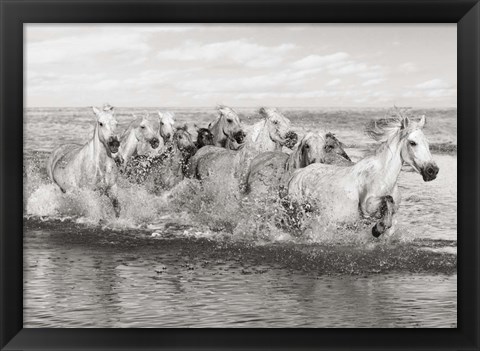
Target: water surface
180,260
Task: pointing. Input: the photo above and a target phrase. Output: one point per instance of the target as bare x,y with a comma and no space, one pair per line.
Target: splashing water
211,206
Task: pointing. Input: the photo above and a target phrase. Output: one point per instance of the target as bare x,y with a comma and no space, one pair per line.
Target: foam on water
217,210
211,209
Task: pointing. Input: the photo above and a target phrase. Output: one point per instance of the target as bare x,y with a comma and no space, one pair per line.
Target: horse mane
265,112
182,128
296,158
222,107
132,125
335,139
384,129
164,114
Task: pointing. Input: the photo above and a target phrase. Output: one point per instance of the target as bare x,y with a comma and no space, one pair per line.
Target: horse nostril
114,142
432,171
154,143
239,136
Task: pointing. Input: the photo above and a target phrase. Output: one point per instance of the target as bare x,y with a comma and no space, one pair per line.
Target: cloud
433,84
434,88
408,67
240,51
333,82
317,61
86,47
338,64
373,82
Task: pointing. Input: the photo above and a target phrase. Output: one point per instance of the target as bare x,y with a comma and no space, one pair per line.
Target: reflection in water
77,283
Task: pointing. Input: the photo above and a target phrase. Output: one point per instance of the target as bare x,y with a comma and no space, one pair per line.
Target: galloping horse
270,134
92,165
141,132
227,129
271,170
367,189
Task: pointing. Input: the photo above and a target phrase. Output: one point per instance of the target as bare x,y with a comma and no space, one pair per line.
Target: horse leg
112,195
386,211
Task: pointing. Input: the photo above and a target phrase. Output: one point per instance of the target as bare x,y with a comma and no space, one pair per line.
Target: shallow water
94,278
184,260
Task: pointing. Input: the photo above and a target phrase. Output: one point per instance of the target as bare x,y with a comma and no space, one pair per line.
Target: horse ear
107,107
96,111
298,157
422,121
405,122
262,111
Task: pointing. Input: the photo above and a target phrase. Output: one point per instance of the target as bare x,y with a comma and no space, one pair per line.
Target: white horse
271,170
91,165
141,132
271,133
227,129
367,189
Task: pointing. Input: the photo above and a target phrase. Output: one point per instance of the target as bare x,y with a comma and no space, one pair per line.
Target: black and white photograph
240,175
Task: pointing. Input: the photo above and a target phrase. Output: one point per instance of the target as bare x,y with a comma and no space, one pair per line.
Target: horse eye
275,122
101,124
229,120
328,147
161,123
143,127
412,143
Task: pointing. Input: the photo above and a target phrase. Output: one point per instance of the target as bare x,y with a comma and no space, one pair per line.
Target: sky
243,65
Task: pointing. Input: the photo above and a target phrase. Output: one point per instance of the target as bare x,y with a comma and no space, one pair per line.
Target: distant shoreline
435,148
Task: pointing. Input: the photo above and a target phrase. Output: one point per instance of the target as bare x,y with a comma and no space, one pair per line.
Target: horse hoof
375,232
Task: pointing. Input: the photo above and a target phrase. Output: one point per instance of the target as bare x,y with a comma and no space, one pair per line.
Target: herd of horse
312,172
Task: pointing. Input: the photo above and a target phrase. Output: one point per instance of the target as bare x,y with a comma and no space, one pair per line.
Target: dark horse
204,137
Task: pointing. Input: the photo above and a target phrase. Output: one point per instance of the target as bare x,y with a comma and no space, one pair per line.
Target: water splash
211,209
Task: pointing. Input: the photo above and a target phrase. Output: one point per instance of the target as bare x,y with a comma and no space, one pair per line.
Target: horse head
227,126
183,140
415,148
146,130
311,149
334,148
107,128
409,140
279,127
204,137
167,121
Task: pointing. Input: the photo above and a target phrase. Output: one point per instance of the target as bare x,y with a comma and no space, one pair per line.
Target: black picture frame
15,13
